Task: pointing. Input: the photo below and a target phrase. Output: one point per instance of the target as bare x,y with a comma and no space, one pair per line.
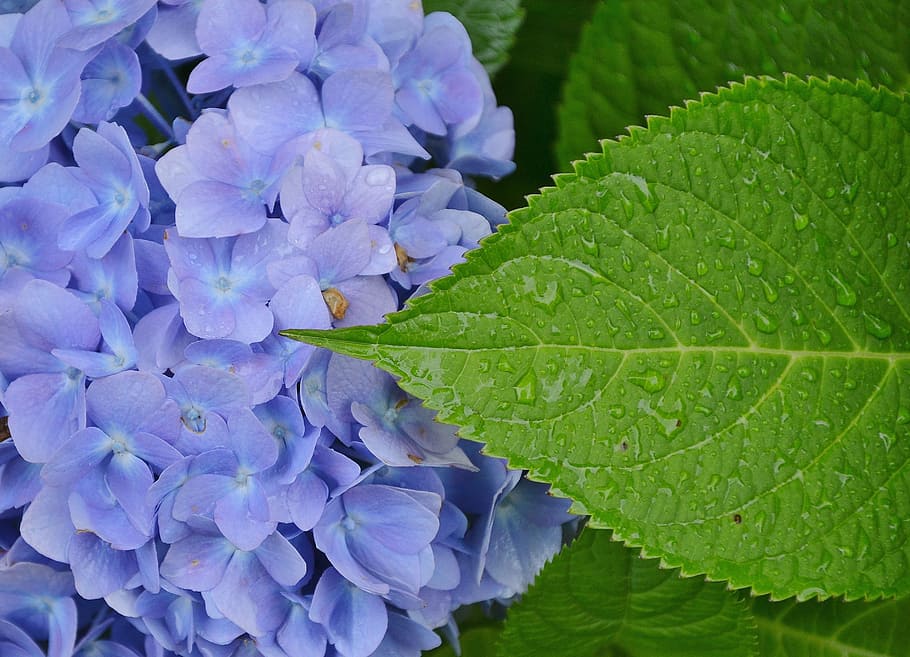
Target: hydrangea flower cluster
178,478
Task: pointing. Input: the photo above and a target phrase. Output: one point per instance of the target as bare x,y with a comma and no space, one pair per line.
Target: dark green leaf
638,58
491,23
598,597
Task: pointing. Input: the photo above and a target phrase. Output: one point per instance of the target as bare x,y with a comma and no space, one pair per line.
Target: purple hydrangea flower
108,166
40,85
222,284
220,183
435,84
250,43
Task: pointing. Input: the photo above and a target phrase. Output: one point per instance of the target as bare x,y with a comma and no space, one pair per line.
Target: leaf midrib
891,357
779,628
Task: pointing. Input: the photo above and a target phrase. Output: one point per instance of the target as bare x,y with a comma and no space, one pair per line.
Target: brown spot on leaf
738,519
336,301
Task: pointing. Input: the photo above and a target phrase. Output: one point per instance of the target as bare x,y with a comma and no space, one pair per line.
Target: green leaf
598,597
702,337
637,58
492,25
833,628
475,642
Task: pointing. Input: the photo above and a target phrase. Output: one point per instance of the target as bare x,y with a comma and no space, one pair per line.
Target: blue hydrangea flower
40,85
221,184
108,166
251,43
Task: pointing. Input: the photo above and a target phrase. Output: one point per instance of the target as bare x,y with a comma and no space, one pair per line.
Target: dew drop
701,268
809,375
694,318
504,365
744,371
763,322
526,388
740,290
903,415
892,240
798,316
626,263
769,290
754,266
876,326
663,238
655,334
844,294
766,207
800,221
830,192
823,336
483,366
699,171
617,411
628,207
650,381
670,300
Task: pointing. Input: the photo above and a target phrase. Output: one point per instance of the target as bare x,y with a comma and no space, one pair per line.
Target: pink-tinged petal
210,208
198,562
45,410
